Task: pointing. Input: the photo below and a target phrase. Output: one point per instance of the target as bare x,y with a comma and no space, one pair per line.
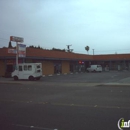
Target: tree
56,49
31,46
10,45
87,48
39,47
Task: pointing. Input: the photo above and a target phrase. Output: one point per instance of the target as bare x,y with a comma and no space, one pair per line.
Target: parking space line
66,104
95,106
26,126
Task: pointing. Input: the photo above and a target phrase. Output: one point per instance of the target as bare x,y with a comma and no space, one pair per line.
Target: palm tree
87,48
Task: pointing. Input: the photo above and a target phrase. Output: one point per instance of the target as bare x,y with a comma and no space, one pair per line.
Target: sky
103,25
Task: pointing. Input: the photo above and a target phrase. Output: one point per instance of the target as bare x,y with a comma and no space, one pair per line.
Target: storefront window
9,68
20,68
57,68
77,66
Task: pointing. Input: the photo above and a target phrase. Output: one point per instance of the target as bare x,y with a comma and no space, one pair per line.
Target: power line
105,50
3,39
93,51
68,46
113,50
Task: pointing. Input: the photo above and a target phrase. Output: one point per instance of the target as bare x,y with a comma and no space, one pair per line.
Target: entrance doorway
9,70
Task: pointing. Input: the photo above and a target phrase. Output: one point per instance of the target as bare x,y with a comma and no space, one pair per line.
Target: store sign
21,50
16,39
13,51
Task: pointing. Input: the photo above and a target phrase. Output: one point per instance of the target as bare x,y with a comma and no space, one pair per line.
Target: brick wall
2,68
65,67
47,67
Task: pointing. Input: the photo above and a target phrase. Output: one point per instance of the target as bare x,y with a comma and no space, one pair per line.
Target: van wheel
94,71
31,78
15,78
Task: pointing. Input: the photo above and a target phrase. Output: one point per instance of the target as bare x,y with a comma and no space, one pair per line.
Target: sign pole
18,48
16,55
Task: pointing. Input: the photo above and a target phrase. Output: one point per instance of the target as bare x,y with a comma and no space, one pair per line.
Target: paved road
67,105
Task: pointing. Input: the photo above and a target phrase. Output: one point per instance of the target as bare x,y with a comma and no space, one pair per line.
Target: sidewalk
11,81
6,79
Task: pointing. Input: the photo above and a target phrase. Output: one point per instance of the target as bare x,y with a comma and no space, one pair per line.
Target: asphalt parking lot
66,102
104,77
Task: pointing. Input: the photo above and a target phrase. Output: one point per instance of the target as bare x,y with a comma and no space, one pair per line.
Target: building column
110,65
128,65
5,63
124,66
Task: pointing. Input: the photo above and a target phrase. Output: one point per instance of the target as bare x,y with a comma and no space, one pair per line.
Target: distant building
55,62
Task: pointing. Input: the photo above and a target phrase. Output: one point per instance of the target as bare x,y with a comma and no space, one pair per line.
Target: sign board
21,50
16,39
12,51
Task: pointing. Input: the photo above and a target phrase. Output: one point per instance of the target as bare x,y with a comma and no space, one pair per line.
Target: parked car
94,68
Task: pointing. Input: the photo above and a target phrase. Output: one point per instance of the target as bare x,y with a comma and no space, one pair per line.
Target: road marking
66,104
57,74
50,75
26,126
41,103
95,106
113,76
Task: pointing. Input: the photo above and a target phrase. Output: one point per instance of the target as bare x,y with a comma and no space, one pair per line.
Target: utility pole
17,56
68,47
93,51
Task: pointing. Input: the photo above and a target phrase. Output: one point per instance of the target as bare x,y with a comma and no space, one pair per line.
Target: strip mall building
54,62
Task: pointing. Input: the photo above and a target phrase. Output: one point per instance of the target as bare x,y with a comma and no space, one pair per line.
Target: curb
10,82
115,84
63,74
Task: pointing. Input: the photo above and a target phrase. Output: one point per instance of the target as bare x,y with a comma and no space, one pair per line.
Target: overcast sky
103,25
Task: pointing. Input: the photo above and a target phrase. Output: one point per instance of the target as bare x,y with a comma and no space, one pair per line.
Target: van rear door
38,69
99,68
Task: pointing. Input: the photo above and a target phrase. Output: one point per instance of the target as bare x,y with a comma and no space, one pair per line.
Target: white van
28,71
94,68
